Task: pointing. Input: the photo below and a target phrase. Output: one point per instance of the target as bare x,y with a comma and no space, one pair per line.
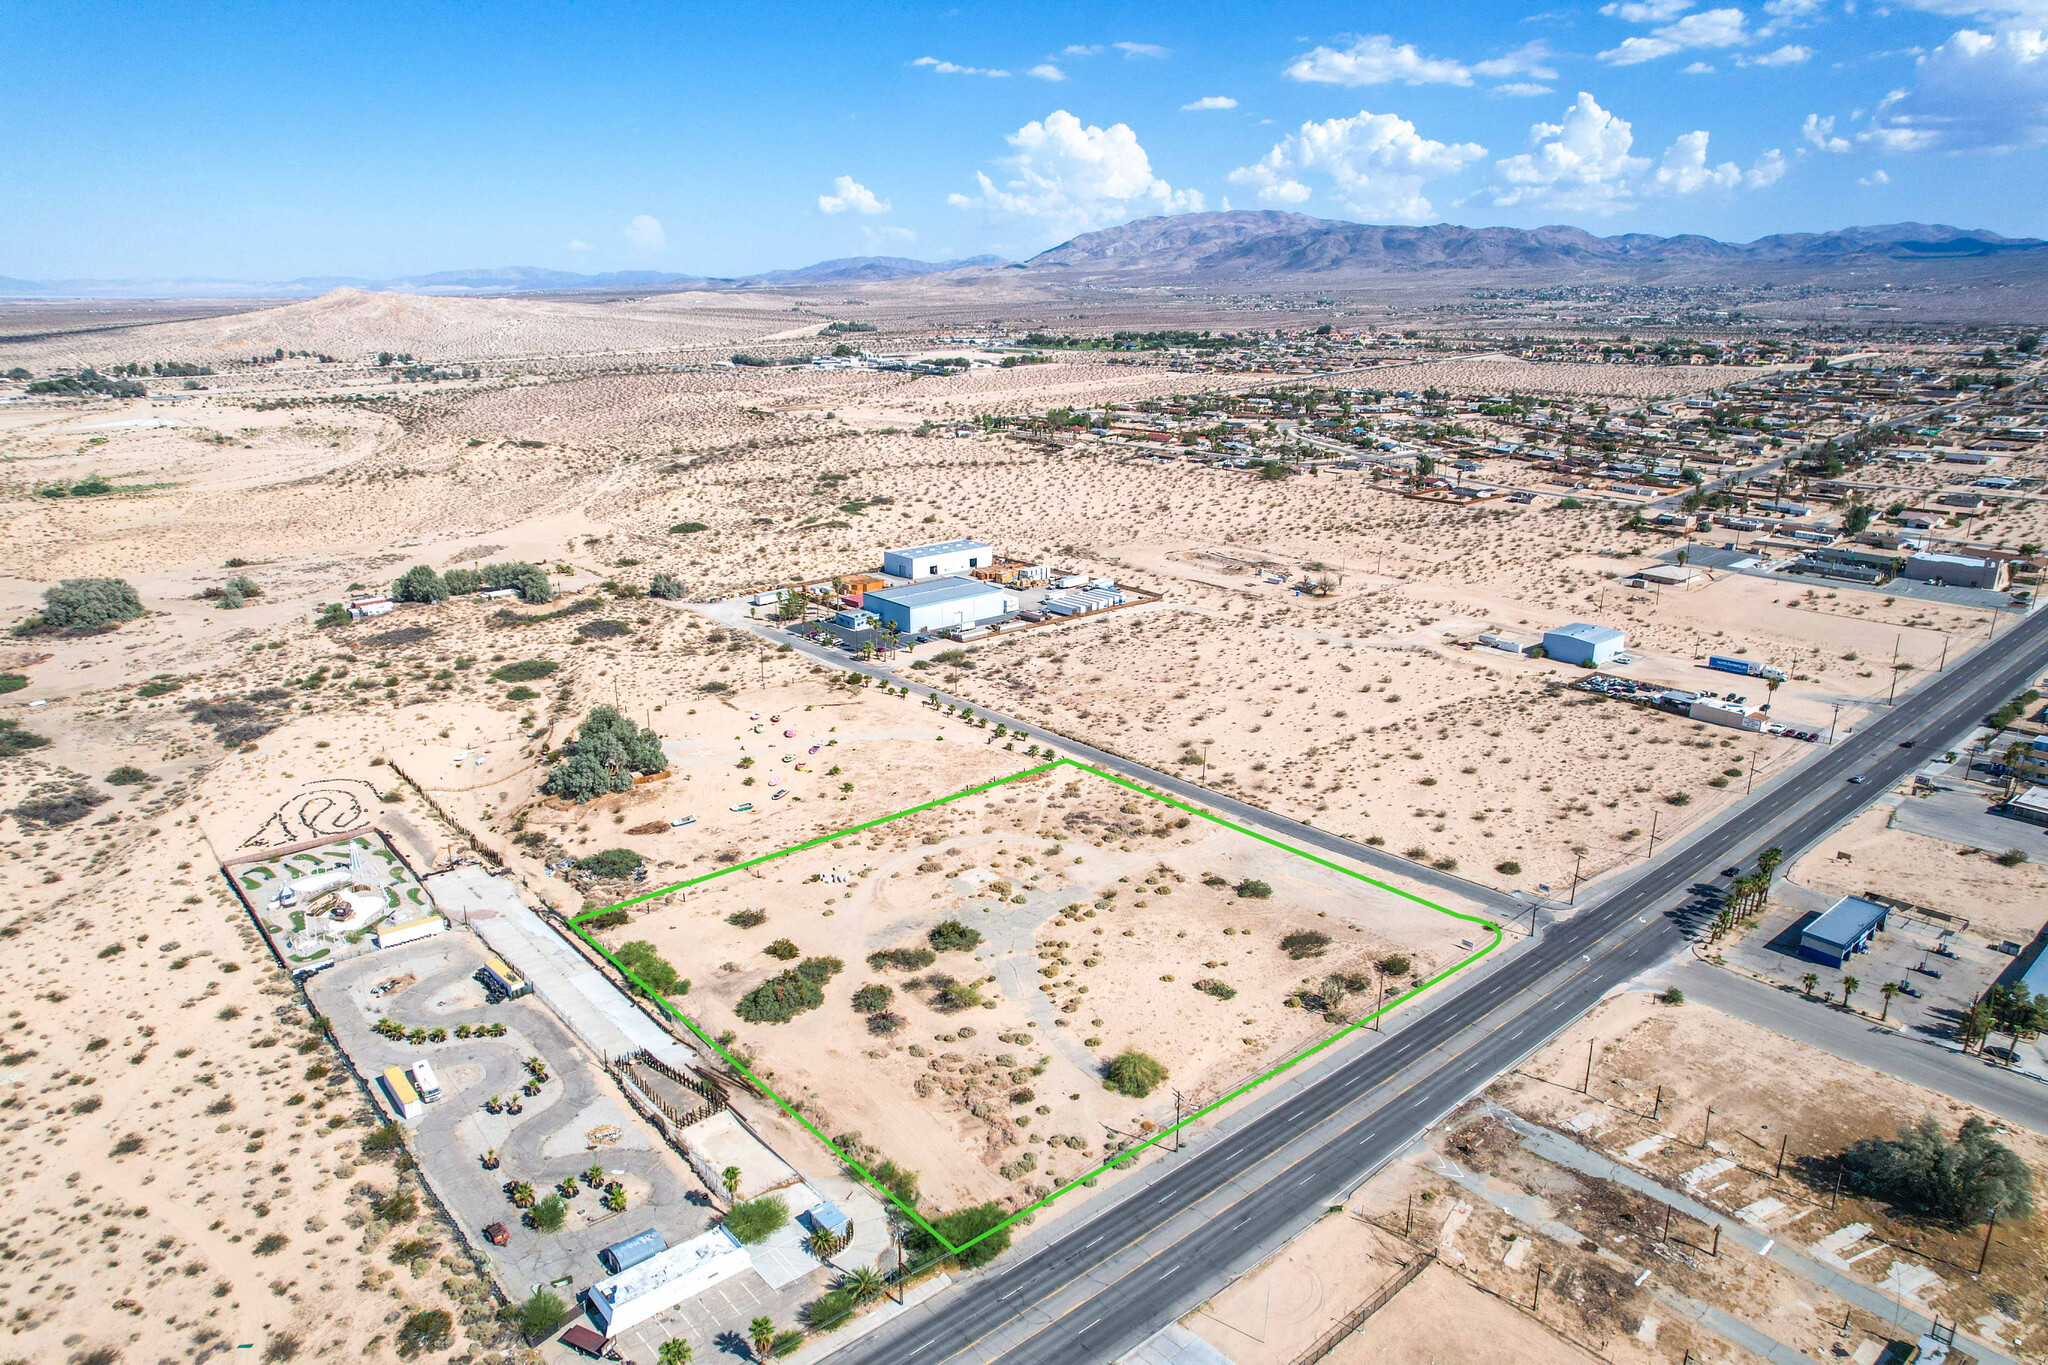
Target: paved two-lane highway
1096,1289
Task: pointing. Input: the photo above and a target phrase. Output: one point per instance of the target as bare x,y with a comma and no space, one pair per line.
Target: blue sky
255,141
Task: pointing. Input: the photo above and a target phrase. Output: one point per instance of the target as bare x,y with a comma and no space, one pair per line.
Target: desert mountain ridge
1271,245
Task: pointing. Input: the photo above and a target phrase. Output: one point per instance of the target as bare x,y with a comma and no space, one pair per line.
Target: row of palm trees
1747,894
863,1285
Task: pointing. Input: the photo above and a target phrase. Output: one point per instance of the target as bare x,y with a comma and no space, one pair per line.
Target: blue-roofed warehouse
1844,929
622,1256
936,603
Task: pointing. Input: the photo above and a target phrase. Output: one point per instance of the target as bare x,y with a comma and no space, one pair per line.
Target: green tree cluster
607,751
753,1220
84,603
1133,1073
1959,1183
530,581
654,971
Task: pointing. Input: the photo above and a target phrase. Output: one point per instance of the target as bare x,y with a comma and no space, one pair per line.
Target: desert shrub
687,528
885,1023
521,693
612,862
1305,943
819,970
1395,964
270,1243
747,919
13,682
1252,890
606,629
608,919
873,999
549,1214
951,936
527,670
127,775
398,1207
780,1000
1508,868
754,1219
1134,1074
382,1139
903,959
530,581
1221,990
1957,1183
783,950
541,1314
15,741
608,749
419,584
58,808
433,1329
962,1227
957,995
665,585
653,970
2012,857
85,603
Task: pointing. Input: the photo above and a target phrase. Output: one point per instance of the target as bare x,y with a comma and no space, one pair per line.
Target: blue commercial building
1588,646
1845,928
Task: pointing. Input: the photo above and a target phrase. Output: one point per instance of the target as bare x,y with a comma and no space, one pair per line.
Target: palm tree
1889,989
674,1351
1810,980
1849,985
730,1178
761,1332
820,1243
1770,690
864,1283
1767,861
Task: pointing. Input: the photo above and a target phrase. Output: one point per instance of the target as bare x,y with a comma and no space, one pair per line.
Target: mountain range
1292,247
1246,245
516,279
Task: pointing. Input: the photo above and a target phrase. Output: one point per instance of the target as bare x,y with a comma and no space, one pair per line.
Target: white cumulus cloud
578,244
1046,71
1530,59
1978,91
1792,54
1580,163
1874,178
1697,69
1375,163
955,69
1685,169
1140,49
1376,59
1647,11
1725,27
1075,177
644,233
1821,133
1520,88
1209,102
850,196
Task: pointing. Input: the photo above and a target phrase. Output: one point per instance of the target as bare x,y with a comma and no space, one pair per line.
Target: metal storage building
1588,646
666,1279
506,977
938,559
1844,929
392,935
1960,571
1733,714
624,1255
934,604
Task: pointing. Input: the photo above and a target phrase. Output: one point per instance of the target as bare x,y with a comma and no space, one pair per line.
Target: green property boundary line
1128,1154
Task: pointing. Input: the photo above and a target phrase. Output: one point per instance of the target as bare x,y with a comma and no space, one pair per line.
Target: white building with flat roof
653,1286
938,559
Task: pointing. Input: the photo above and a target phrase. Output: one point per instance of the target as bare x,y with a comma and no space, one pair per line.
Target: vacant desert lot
1096,920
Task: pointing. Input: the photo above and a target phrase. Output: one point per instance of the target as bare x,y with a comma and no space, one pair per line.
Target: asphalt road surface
1065,1302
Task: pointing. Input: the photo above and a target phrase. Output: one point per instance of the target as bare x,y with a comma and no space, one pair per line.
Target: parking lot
577,1119
1910,950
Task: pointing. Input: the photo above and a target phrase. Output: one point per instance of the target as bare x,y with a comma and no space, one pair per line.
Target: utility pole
1205,760
1990,1226
1944,653
1651,851
1895,671
1586,1087
1657,1105
1707,1134
1783,1142
1176,1120
1752,772
1578,860
1537,1302
1831,722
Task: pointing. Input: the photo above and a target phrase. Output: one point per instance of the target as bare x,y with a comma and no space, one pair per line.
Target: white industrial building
392,936
1586,645
1734,714
938,604
938,559
662,1281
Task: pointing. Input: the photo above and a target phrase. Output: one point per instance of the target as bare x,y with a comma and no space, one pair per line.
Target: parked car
497,1234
